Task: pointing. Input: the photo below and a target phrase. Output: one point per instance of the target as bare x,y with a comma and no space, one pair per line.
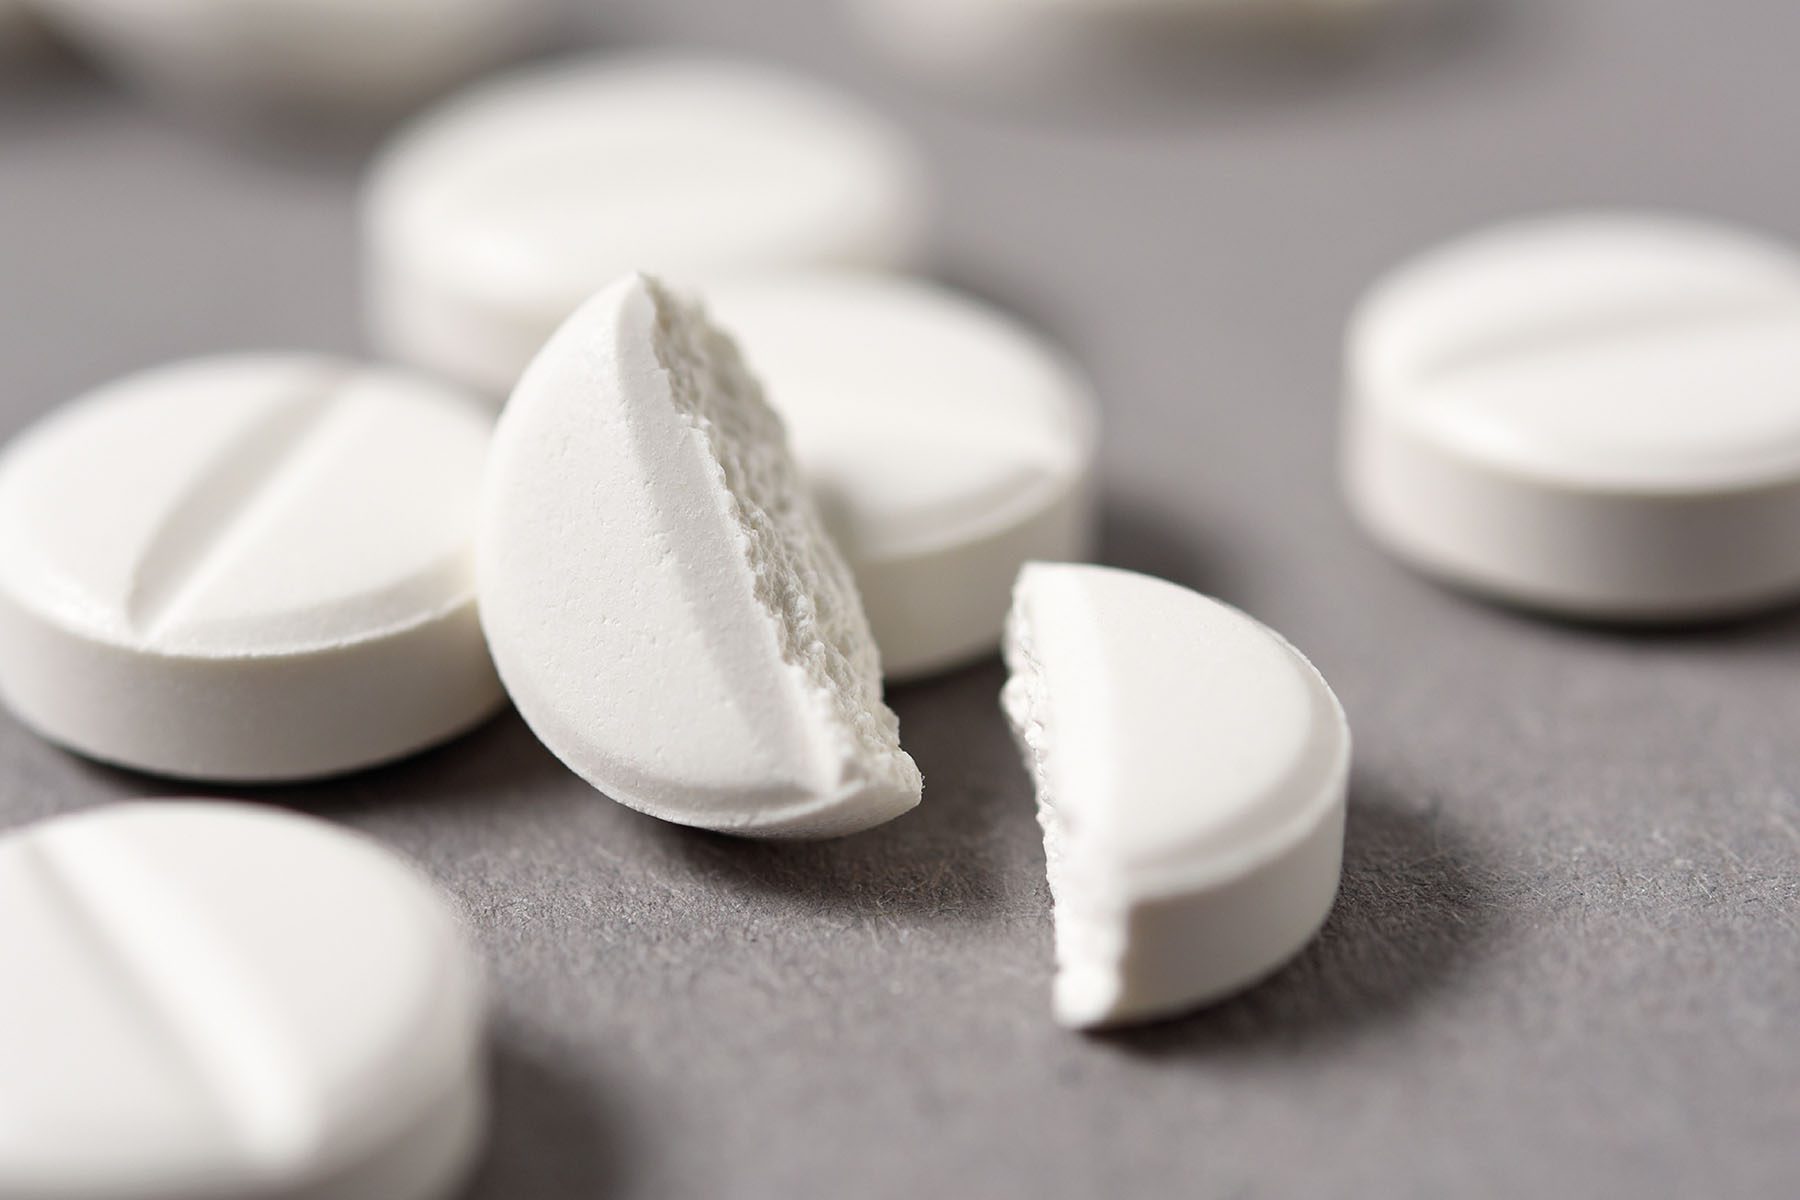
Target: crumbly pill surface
945,444
660,595
1597,415
493,218
231,1001
311,56
253,568
1191,770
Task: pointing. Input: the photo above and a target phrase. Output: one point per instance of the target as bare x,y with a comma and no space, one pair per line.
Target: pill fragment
1191,770
1595,415
659,593
298,57
945,444
493,218
211,999
249,568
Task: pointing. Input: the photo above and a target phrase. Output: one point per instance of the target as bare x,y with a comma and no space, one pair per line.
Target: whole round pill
1191,772
1593,415
256,568
946,446
224,1002
496,216
327,57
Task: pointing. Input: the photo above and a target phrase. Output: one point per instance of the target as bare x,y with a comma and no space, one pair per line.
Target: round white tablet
1594,415
1031,42
945,445
213,1001
329,56
661,598
1191,771
496,216
255,568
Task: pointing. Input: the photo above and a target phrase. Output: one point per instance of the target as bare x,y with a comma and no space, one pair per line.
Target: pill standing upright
218,1000
659,593
1191,772
254,568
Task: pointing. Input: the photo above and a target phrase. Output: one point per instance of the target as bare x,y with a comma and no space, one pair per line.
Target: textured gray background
1567,956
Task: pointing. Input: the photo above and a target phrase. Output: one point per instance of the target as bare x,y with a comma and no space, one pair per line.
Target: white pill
336,57
217,1000
945,444
494,218
1191,770
256,568
1057,42
660,595
1594,415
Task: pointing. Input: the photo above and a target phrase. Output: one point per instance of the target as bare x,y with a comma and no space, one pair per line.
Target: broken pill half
1191,772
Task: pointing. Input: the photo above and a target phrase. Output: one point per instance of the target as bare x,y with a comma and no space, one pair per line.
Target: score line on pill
1191,771
253,568
214,999
494,217
1596,415
946,445
660,596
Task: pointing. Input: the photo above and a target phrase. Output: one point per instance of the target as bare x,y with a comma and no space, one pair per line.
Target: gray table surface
1567,955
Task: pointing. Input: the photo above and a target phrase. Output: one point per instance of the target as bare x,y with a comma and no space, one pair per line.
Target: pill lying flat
659,593
305,56
1191,770
945,444
1594,415
223,1000
496,216
253,568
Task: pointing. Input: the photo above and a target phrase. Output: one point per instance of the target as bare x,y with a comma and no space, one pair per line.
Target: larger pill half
211,1001
247,569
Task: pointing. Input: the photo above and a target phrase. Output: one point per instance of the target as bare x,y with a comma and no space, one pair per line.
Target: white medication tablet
1191,770
255,569
499,214
946,446
218,1000
660,595
330,57
1598,416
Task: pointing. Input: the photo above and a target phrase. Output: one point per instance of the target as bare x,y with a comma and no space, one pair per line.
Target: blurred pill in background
1030,46
306,58
493,218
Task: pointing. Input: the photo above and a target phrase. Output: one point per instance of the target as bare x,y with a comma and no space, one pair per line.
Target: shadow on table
552,1136
1416,907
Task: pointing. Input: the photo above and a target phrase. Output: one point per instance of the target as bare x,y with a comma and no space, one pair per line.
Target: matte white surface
209,1000
314,56
945,444
1595,414
248,568
493,218
661,598
1191,770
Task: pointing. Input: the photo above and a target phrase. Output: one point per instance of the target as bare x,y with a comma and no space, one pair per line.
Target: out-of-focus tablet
1038,42
211,1000
662,600
1594,415
492,219
332,57
256,568
1191,770
945,444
